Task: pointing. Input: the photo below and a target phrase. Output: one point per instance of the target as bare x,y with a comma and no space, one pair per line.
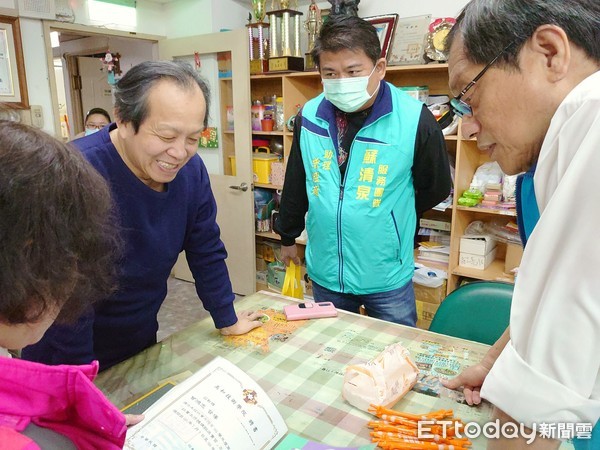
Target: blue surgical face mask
348,94
89,131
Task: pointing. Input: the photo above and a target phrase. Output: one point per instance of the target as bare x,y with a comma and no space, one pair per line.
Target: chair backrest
477,311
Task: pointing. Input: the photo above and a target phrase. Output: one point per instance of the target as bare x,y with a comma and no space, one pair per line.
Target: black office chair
477,311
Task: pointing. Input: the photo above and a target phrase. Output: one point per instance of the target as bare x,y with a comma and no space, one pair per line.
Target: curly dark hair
58,236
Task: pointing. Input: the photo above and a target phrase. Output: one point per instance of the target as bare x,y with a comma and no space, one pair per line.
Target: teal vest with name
361,228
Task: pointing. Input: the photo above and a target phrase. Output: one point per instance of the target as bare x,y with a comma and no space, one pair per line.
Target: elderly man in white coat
527,83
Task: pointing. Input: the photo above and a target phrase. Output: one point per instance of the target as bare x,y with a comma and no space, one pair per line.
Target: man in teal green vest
366,159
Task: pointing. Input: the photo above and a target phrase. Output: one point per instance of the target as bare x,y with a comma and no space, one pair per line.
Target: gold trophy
257,41
285,39
312,25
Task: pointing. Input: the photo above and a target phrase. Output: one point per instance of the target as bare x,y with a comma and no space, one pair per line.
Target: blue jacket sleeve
206,254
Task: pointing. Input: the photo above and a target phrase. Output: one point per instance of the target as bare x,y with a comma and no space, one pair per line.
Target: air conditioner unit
37,9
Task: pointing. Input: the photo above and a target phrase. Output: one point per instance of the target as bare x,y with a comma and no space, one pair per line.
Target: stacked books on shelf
433,230
434,251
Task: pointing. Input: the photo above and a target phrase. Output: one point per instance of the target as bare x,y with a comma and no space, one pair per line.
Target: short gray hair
131,93
489,26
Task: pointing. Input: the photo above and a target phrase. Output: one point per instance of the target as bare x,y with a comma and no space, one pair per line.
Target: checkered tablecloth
302,369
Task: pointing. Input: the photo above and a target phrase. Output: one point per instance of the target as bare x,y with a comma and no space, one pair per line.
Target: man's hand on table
247,321
471,379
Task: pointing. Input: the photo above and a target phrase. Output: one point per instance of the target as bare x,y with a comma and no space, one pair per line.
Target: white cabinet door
234,196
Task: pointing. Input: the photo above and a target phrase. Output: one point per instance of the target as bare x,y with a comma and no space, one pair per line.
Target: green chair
477,311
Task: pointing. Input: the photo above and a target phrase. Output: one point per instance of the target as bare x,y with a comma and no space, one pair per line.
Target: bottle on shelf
279,118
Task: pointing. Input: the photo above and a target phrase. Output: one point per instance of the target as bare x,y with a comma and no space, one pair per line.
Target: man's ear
551,45
124,129
380,68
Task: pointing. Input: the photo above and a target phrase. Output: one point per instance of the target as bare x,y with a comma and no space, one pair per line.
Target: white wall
150,17
184,18
229,15
133,51
36,71
188,18
437,8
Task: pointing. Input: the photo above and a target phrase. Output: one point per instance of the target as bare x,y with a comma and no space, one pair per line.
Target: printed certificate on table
219,407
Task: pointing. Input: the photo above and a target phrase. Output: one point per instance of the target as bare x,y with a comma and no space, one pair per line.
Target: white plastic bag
428,276
381,381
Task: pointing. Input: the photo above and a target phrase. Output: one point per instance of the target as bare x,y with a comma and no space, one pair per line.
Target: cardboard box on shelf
473,261
277,173
477,244
429,294
261,264
441,225
261,277
514,253
425,313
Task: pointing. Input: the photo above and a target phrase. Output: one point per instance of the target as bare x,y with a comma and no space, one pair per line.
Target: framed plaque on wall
13,85
410,38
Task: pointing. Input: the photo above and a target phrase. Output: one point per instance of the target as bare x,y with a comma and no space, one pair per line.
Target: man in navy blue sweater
163,198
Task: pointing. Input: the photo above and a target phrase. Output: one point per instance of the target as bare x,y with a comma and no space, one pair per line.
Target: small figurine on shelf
344,7
351,7
312,26
111,62
336,7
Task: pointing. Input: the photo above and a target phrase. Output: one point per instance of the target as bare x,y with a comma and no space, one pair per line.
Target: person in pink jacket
57,253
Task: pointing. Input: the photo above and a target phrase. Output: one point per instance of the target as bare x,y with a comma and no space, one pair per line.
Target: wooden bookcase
298,87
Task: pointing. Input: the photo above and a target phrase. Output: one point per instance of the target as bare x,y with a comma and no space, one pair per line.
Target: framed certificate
13,85
385,26
408,44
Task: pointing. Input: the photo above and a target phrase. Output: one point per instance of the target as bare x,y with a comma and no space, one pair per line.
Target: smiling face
510,113
168,136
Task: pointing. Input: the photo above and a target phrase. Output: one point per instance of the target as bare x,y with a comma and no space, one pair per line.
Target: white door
95,90
234,196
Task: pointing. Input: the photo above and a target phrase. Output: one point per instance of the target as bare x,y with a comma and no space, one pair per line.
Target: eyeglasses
461,108
95,126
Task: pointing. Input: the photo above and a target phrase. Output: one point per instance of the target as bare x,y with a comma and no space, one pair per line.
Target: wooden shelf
498,212
298,87
276,237
433,264
268,133
261,133
494,272
420,68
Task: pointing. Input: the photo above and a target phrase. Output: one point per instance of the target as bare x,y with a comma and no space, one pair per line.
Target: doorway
79,79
